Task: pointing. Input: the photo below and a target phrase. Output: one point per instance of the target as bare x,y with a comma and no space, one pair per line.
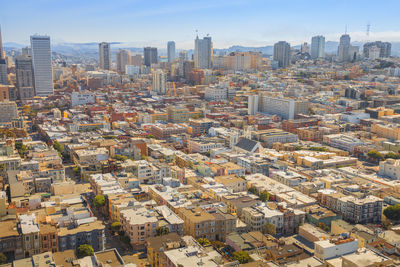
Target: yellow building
387,131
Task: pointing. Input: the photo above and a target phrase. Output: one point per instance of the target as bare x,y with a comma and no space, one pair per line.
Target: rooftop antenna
368,28
197,34
345,29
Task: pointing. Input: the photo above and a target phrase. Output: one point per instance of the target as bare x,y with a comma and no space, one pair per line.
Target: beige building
387,131
390,168
8,111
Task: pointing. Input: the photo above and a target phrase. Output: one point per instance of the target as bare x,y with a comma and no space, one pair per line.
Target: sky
228,22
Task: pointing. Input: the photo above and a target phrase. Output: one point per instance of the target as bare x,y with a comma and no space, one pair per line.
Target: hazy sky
241,22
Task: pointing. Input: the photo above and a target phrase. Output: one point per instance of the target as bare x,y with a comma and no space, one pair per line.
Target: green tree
204,242
392,212
21,148
318,148
217,244
99,201
241,256
3,258
125,239
392,155
264,196
120,157
162,231
84,250
57,146
375,155
115,226
253,190
268,229
77,171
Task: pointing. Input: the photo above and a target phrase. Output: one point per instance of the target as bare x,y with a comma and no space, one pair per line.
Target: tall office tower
385,48
42,68
3,71
318,47
203,52
171,51
150,56
282,54
3,64
137,60
104,56
181,63
344,48
2,54
23,70
124,58
252,104
159,82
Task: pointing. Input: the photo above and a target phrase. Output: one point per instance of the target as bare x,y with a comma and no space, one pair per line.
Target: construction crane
172,90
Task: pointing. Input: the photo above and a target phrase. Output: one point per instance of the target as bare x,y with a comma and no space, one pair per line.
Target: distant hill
92,48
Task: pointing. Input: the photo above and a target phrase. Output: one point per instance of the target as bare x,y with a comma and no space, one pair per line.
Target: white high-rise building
318,47
159,82
42,68
252,104
203,52
171,51
104,56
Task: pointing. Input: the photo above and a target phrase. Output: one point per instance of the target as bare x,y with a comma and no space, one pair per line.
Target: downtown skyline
259,23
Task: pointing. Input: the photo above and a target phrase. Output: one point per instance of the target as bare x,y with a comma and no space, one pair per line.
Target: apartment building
342,141
286,221
92,233
213,225
163,131
139,224
30,234
390,168
354,210
156,246
390,131
48,238
271,136
203,145
328,249
10,240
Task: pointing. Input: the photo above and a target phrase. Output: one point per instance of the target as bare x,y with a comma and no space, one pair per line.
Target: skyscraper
385,48
282,54
42,68
124,58
1,47
3,64
318,47
203,52
181,63
23,70
159,82
24,74
104,56
346,52
171,51
343,48
150,56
